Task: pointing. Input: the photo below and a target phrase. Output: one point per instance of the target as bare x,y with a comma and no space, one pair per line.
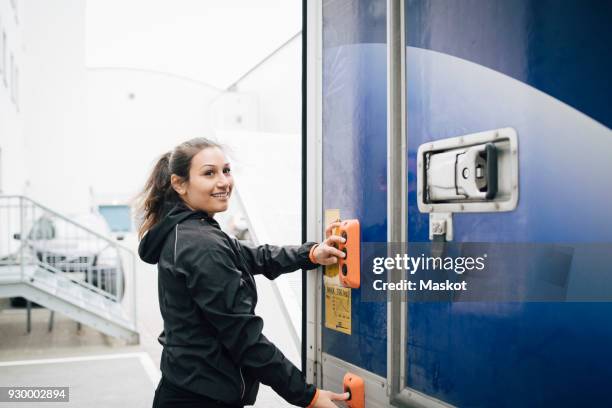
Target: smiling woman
214,352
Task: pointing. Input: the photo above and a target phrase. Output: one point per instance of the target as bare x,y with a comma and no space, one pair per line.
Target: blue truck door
543,68
354,114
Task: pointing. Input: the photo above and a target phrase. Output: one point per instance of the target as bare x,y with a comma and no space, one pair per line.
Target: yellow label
337,297
331,277
338,309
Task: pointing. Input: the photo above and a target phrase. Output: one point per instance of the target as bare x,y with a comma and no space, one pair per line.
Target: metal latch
462,174
468,173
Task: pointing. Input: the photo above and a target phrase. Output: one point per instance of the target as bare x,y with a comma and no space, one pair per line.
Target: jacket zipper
243,384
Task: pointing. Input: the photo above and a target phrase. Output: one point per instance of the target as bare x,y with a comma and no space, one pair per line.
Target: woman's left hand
327,253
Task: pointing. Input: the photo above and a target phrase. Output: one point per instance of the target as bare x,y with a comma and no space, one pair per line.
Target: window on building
119,217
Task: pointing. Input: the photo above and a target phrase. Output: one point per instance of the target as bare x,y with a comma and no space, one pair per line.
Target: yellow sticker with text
338,309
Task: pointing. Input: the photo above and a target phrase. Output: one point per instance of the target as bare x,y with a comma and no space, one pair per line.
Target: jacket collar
151,244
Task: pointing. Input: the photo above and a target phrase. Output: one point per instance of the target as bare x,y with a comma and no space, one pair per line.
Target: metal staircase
67,266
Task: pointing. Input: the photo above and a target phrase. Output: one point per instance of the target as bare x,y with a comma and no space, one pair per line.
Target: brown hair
158,193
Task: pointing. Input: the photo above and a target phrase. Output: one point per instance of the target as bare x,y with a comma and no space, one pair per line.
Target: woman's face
210,182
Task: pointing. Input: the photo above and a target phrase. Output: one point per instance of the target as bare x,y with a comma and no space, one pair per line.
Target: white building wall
54,104
75,131
12,166
278,86
133,117
136,115
275,149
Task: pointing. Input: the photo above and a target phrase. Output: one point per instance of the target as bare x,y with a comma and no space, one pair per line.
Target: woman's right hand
327,252
325,398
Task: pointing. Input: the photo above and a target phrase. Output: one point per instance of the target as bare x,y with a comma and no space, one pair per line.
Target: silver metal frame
314,187
396,191
397,210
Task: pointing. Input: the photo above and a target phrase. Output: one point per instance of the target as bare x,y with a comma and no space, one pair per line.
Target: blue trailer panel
542,68
539,67
354,159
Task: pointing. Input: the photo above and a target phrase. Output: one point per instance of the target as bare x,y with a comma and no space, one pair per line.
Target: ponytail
157,193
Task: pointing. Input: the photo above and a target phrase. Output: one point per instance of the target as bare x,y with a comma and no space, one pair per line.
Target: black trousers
168,395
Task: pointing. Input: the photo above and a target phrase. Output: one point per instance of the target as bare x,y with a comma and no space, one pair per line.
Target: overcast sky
213,41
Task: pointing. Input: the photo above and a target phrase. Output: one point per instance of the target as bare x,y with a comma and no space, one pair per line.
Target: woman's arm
272,261
217,287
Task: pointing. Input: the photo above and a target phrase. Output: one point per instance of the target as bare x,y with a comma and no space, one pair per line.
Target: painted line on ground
145,360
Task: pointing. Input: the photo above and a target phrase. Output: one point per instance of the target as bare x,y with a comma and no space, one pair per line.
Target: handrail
68,220
78,282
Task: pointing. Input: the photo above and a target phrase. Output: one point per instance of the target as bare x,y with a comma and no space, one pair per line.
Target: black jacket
212,340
